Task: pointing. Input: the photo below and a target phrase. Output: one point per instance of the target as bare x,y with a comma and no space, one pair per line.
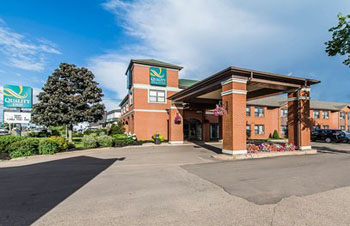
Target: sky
204,36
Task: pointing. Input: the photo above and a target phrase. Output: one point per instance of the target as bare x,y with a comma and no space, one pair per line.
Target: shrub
61,141
275,135
117,128
90,141
78,134
48,146
24,147
6,141
105,141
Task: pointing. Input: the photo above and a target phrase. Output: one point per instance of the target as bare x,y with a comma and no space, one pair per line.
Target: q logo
158,76
11,93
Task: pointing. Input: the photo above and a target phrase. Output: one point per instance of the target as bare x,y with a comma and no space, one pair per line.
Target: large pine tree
70,96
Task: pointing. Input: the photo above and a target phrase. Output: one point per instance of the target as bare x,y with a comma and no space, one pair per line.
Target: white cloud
22,52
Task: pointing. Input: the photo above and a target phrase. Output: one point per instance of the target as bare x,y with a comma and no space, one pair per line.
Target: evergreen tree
70,96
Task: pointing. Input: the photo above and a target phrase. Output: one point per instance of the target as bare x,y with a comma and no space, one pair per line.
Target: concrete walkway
158,186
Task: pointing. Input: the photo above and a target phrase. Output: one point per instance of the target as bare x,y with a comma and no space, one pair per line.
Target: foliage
38,134
121,140
270,147
6,141
105,141
78,134
275,135
48,146
116,128
70,96
160,137
24,147
61,142
340,43
99,132
90,141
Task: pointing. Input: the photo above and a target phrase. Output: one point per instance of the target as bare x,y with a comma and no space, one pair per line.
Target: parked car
347,134
329,135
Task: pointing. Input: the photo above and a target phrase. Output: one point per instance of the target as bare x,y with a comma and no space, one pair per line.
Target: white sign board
17,117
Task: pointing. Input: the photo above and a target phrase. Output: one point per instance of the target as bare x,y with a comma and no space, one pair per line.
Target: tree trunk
70,132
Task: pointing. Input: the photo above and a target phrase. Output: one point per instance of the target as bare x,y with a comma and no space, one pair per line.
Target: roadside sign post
17,97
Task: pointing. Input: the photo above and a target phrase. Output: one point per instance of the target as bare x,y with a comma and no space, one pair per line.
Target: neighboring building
113,116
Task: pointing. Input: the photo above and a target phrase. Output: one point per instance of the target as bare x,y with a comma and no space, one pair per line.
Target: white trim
149,110
146,86
176,142
305,89
234,80
209,113
171,69
304,148
234,91
234,152
179,108
296,98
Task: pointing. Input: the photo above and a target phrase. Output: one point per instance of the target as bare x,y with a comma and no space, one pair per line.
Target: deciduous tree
70,96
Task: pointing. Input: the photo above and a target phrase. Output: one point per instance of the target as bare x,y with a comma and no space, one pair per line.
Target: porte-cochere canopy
234,86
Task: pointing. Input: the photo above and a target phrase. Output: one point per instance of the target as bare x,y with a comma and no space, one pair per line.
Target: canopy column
299,121
176,134
234,100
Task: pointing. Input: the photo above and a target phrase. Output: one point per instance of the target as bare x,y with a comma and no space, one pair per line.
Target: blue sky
285,37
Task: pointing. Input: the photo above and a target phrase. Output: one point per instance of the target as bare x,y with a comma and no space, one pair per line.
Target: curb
263,155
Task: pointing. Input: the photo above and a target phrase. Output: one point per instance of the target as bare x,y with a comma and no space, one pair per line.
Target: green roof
184,83
153,62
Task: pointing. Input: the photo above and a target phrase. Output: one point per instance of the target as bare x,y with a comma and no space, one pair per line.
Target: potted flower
157,138
219,111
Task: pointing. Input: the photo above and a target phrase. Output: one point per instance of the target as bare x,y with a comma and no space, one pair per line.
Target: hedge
105,141
90,141
49,146
6,141
24,147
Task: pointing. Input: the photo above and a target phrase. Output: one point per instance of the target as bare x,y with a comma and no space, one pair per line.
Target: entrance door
214,131
193,129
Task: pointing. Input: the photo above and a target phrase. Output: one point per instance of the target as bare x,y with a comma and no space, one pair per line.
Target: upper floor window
131,98
325,114
342,115
316,114
259,129
156,96
284,112
247,111
259,112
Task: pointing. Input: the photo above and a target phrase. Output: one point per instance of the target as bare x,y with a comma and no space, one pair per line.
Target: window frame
324,115
157,96
258,128
248,113
257,112
314,115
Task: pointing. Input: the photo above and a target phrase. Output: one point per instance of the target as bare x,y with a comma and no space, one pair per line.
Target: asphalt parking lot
176,185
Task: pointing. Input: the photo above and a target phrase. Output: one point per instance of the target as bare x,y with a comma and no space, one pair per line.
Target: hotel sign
157,76
17,96
17,117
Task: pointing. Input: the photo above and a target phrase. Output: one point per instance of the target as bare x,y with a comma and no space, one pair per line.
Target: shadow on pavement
323,149
28,192
208,147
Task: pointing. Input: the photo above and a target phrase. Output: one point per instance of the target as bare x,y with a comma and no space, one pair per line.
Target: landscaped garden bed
270,147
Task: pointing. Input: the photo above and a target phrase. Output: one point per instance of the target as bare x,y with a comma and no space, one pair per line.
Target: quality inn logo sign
157,76
17,96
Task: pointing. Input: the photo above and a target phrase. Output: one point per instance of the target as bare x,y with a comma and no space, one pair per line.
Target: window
316,127
248,131
325,127
247,111
342,127
156,96
316,114
325,114
342,115
259,112
284,130
259,129
284,112
131,98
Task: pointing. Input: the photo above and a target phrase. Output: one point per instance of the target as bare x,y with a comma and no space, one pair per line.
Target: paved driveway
173,186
